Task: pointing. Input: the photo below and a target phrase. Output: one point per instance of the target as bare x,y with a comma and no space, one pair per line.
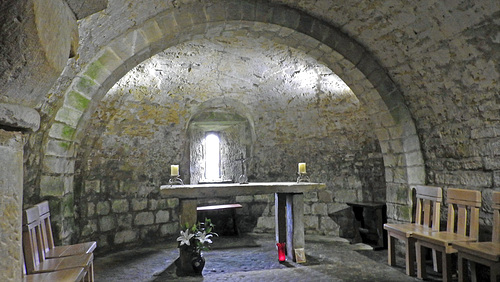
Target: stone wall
140,128
440,57
11,196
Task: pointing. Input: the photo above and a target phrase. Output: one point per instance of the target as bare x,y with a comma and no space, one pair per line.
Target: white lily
203,237
185,237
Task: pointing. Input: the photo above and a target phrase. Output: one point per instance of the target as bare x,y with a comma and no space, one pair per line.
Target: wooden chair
462,226
486,253
34,256
52,251
427,214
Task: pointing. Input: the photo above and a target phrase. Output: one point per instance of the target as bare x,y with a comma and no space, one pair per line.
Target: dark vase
190,262
198,263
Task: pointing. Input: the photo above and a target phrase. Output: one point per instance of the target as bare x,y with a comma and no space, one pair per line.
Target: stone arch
351,61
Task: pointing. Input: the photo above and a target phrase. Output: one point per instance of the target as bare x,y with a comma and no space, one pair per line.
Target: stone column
11,202
187,212
294,224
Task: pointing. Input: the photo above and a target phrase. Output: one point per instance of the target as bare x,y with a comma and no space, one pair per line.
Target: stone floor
253,257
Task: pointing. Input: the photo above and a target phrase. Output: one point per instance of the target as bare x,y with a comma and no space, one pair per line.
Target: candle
302,167
174,170
281,251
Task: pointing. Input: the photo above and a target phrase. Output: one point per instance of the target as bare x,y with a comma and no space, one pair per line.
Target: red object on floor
281,251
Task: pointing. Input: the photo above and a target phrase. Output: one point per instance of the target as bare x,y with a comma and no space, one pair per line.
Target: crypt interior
99,98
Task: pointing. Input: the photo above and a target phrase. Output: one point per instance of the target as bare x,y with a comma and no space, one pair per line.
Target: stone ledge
19,117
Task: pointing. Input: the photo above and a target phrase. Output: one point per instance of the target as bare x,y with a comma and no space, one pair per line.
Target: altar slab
236,189
289,206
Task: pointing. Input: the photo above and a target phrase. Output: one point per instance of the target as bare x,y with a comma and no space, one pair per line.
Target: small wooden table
289,204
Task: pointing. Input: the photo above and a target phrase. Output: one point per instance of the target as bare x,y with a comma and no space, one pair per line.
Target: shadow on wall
348,225
246,217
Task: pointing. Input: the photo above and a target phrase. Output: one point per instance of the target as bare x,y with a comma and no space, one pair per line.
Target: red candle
281,251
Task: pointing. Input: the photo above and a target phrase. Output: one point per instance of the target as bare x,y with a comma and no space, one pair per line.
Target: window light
212,157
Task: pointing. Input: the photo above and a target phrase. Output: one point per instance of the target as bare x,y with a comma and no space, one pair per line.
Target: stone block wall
11,197
118,221
126,157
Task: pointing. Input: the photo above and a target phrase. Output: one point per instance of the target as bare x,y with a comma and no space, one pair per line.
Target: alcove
231,123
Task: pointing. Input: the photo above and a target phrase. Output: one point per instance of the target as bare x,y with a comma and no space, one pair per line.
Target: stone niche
232,124
235,143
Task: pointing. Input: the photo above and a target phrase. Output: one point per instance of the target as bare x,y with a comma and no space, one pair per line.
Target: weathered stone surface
103,208
85,8
144,218
169,228
162,216
120,206
11,190
125,220
139,204
172,202
19,117
126,236
107,223
41,35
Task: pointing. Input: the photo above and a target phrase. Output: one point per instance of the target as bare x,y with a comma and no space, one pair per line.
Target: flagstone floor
253,257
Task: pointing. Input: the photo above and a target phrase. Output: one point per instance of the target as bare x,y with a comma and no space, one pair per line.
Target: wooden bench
67,275
486,253
47,239
231,207
34,255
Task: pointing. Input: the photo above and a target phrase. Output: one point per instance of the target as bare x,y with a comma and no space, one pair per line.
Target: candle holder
243,178
303,177
175,180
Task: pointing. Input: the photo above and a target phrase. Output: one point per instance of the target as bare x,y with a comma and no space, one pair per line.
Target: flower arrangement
197,237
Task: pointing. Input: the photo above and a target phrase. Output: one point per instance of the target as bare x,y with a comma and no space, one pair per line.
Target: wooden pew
486,253
427,216
67,275
460,227
47,242
34,255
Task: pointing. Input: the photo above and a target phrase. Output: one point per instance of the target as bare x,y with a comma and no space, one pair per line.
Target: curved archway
360,70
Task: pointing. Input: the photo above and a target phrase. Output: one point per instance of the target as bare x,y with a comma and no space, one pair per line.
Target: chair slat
427,212
48,237
462,220
418,212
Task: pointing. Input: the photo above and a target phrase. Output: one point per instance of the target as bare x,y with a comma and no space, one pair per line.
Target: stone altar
289,204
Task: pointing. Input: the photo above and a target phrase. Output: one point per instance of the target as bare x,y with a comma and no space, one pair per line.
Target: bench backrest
33,254
46,227
496,217
463,212
428,206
